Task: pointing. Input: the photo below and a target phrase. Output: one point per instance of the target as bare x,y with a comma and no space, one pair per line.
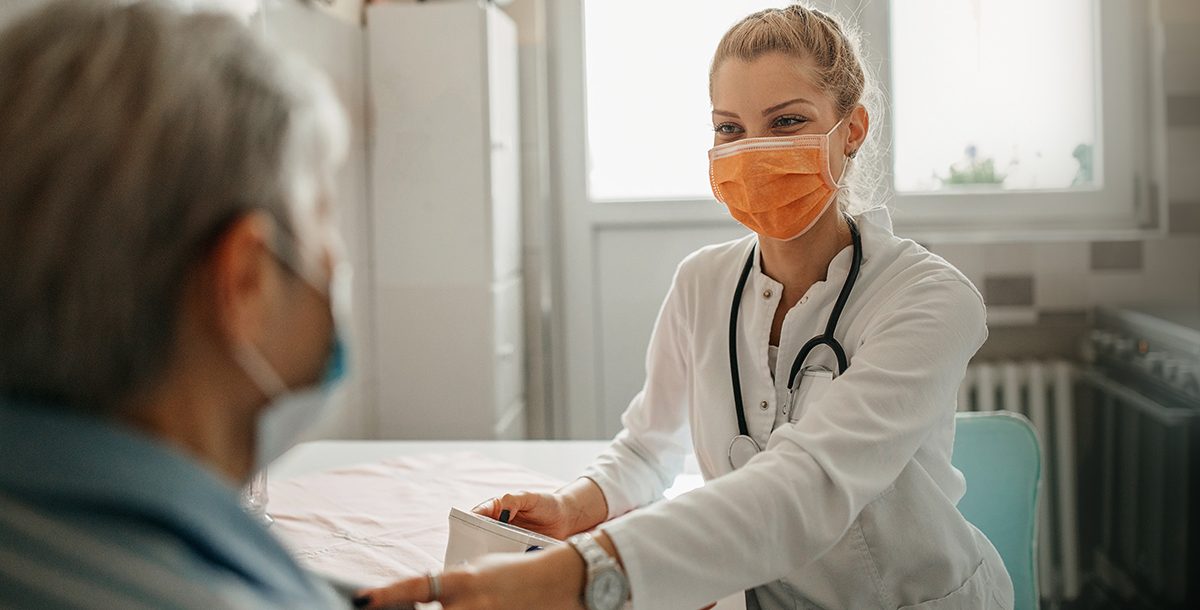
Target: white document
472,536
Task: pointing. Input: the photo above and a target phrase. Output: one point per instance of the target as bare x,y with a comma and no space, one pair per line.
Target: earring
853,154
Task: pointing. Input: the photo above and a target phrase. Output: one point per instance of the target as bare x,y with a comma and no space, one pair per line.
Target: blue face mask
337,365
294,410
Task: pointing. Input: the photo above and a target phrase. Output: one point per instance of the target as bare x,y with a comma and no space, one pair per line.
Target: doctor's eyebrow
768,111
782,105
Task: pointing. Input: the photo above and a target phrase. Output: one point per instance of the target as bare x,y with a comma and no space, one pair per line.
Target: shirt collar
56,457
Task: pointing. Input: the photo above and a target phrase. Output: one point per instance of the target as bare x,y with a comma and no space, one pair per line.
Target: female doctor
812,366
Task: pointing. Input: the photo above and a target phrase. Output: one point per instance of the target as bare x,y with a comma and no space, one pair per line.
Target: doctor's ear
857,124
243,280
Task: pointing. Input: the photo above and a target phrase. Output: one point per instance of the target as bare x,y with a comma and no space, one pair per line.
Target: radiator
1041,391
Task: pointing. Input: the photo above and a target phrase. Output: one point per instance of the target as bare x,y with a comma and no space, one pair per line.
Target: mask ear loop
837,184
260,372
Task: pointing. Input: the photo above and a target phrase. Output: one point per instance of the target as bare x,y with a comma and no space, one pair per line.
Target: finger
488,508
402,594
516,504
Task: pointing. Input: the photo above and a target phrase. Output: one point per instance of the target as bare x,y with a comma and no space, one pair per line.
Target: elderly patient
166,321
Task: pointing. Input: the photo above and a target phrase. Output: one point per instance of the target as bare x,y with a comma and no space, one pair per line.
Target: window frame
1130,199
1129,202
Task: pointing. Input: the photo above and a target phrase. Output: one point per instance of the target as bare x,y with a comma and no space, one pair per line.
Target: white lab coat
850,506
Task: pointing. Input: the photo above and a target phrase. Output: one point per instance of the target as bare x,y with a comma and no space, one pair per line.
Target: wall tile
1116,255
1181,64
1143,289
1062,290
1117,289
1049,340
1064,257
1183,110
1185,218
1058,318
1175,290
1008,259
1008,291
1180,11
1170,265
1183,155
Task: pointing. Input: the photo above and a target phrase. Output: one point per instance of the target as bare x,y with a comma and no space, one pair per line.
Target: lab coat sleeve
648,453
793,502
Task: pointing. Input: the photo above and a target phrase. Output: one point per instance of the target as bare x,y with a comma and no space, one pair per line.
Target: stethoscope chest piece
741,449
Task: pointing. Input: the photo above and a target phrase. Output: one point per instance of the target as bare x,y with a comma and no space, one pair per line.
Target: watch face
607,591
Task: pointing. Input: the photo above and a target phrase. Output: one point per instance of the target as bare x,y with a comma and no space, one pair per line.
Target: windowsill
949,235
661,213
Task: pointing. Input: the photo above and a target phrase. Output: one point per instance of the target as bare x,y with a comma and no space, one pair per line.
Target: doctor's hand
578,507
551,579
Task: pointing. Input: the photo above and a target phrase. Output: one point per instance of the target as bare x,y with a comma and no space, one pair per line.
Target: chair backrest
1000,457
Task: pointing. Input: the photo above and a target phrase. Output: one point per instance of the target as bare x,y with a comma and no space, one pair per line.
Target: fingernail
361,601
504,516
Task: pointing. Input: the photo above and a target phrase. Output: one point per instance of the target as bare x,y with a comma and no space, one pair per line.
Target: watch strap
593,554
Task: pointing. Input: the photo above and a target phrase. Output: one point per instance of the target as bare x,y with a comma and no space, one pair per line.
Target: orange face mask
777,187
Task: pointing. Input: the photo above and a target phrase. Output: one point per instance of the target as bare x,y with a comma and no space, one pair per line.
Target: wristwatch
606,588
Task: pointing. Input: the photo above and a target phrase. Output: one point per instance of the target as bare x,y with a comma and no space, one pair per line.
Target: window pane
648,114
994,94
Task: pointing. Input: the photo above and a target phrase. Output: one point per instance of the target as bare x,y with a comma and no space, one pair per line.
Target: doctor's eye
727,129
789,121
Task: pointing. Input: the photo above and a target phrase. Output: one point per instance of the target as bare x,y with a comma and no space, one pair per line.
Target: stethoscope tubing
827,338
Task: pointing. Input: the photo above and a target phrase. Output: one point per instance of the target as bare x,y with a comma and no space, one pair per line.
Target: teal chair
1000,457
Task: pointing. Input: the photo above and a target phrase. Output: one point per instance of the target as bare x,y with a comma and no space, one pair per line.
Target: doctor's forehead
756,85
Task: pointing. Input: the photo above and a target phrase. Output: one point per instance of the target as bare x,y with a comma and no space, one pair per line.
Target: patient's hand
547,580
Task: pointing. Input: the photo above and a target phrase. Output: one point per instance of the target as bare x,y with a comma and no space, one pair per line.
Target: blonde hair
836,53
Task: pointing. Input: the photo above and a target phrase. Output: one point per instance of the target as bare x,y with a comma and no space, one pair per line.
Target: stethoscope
743,447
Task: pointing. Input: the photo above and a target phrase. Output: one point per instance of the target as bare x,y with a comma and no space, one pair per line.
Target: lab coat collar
875,227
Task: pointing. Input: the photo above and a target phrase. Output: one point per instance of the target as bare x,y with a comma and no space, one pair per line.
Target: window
986,98
999,114
649,125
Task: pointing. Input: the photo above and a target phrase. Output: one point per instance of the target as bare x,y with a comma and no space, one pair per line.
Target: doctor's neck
801,262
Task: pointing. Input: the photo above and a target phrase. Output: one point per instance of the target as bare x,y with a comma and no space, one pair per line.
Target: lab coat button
763,405
767,293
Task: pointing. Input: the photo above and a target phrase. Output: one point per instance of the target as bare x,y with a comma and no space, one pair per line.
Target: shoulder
920,274
713,261
709,270
909,279
69,558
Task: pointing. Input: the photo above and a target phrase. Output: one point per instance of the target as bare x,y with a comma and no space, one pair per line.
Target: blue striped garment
96,515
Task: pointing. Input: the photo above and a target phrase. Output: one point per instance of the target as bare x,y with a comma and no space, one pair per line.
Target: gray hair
131,136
